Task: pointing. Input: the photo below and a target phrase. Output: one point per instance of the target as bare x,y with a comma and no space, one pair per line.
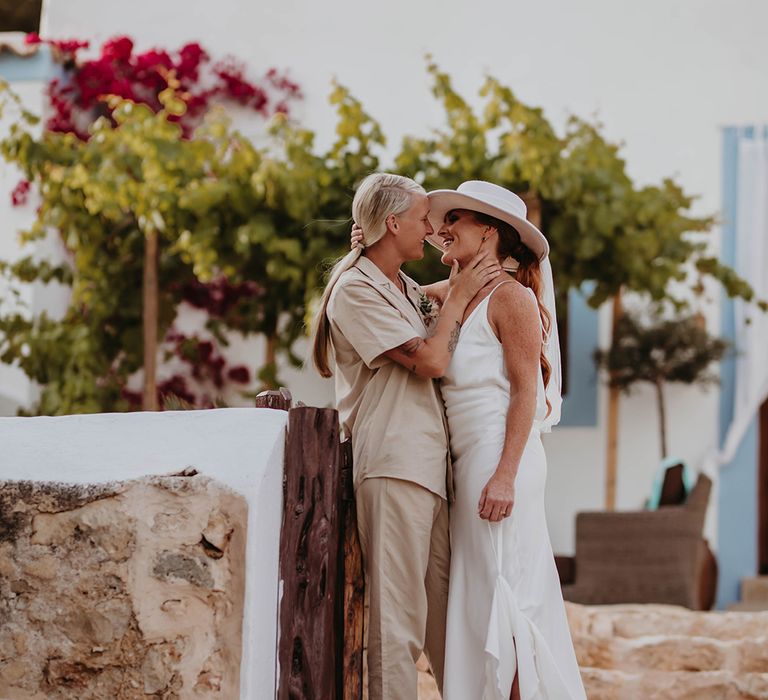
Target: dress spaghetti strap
499,285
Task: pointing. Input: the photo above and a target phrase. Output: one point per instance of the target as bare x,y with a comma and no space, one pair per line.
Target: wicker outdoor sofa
657,556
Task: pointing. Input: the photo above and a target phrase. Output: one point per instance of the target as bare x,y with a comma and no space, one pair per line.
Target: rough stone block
121,590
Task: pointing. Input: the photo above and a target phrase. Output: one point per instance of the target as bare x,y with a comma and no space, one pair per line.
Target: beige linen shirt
394,417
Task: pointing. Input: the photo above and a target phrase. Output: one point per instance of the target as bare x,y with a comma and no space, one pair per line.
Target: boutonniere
429,309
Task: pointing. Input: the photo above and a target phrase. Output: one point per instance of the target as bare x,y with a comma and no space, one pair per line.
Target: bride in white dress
507,632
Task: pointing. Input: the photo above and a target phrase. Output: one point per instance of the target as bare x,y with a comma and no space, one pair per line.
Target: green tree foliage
602,228
672,350
220,207
223,207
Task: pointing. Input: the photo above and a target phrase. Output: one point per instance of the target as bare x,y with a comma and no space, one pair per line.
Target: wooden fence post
280,400
353,589
310,543
320,645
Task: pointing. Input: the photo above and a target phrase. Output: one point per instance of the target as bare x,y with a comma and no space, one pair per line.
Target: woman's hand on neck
487,243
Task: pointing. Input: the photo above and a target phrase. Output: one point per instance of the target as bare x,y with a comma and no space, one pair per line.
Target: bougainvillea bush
76,97
77,101
242,233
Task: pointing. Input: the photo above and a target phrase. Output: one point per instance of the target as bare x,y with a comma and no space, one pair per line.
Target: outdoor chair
657,556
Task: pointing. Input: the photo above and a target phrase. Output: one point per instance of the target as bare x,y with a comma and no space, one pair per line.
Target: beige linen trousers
406,552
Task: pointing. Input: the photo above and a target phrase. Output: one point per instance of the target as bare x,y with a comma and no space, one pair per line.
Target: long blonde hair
377,196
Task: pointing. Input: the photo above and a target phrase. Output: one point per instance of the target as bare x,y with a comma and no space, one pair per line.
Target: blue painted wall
737,501
580,404
16,68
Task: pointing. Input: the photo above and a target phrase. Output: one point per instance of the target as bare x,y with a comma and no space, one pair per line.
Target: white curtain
751,263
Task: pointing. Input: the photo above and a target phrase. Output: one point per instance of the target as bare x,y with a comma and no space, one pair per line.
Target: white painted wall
15,389
240,447
662,76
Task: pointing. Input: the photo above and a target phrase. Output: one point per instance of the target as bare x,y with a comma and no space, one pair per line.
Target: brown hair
528,274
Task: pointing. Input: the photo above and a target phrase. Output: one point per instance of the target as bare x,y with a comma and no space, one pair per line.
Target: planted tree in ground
664,351
262,221
608,236
77,100
209,216
116,200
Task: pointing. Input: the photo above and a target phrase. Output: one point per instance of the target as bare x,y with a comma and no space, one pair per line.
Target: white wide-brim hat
486,198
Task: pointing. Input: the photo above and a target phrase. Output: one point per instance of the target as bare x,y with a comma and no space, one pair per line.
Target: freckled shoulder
513,304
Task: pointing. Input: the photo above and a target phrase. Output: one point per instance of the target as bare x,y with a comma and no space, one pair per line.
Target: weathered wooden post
353,594
281,400
320,642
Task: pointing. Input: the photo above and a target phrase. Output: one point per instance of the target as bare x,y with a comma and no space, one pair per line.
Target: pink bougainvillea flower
176,386
205,350
68,46
77,99
118,48
191,57
283,83
240,374
20,194
92,81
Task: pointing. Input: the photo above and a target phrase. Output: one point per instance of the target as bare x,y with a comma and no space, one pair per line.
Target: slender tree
139,205
608,236
664,351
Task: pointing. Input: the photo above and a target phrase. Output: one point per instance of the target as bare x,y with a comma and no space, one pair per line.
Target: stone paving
661,652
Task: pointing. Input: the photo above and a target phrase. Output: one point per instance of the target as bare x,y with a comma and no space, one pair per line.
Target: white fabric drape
751,263
552,350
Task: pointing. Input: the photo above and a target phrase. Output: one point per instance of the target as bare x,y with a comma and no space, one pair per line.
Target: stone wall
123,590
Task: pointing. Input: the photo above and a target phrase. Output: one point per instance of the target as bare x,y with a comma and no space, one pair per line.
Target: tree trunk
662,417
150,315
612,428
270,360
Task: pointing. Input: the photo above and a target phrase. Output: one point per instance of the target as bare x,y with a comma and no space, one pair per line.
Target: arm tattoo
454,339
412,346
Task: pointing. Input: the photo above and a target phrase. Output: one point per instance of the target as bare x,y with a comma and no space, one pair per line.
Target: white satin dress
505,608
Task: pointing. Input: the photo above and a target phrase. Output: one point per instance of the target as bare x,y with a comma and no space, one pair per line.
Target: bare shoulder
514,316
513,303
